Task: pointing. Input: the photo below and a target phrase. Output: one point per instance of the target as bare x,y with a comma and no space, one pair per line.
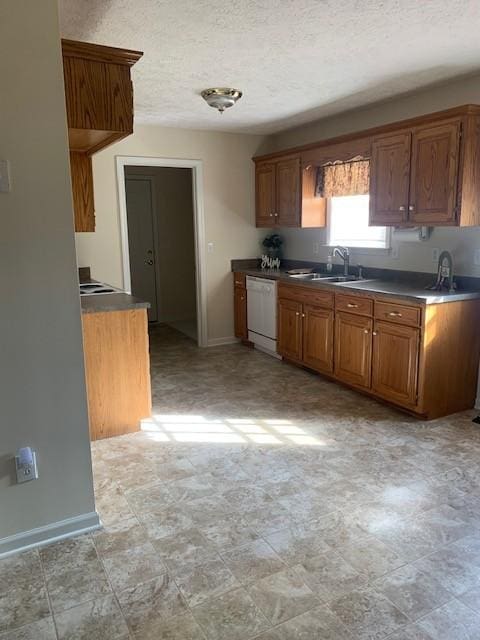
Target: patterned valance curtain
350,178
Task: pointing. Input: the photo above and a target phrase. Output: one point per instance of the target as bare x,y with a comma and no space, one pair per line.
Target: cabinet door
290,329
318,338
82,191
389,179
288,181
434,172
240,313
265,195
353,349
395,362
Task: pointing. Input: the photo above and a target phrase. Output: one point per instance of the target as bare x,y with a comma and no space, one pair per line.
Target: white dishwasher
262,313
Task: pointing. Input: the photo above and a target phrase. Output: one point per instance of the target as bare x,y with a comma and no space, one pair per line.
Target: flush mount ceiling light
221,98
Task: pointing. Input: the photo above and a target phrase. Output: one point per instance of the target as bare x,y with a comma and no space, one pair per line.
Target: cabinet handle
411,207
276,215
401,208
271,215
350,305
395,314
374,333
303,315
366,331
297,313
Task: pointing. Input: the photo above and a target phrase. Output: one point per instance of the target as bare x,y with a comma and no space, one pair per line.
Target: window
348,224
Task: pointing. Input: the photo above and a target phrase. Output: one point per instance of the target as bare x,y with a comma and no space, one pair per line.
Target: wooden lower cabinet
117,368
395,362
353,349
318,338
420,357
289,339
240,313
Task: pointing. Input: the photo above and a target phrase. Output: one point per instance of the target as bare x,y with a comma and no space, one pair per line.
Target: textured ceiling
295,60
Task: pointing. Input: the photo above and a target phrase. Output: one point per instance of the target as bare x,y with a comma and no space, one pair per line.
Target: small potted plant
273,245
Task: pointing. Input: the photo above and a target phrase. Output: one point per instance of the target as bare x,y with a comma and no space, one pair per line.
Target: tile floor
263,502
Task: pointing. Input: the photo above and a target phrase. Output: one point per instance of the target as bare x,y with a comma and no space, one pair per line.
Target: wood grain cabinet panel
434,173
82,191
99,104
289,339
318,338
265,195
395,362
240,313
288,193
390,179
285,195
353,349
117,371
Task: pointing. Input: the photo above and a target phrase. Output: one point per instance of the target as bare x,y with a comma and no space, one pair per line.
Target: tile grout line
52,613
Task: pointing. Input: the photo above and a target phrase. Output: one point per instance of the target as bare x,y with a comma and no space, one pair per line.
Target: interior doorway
162,240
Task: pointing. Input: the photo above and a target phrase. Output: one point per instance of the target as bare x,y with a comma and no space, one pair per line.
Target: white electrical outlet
435,255
476,257
316,247
210,247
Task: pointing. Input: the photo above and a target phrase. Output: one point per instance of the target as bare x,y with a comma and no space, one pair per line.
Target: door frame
198,222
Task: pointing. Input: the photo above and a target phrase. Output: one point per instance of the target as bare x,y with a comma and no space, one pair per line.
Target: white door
141,245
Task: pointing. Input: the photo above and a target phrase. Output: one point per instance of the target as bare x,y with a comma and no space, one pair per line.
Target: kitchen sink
323,276
309,276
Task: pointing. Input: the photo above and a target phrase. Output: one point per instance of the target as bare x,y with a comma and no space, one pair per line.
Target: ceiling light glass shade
221,98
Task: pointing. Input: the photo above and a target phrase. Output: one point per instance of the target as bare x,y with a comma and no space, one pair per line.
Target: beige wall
175,248
42,384
461,242
228,201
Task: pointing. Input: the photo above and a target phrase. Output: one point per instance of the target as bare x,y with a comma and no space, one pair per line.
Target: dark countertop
380,287
111,302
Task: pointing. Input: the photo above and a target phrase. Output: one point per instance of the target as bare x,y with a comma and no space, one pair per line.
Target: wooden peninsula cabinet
420,357
117,370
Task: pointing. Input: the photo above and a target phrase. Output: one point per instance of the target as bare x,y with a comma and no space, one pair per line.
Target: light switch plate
4,176
435,255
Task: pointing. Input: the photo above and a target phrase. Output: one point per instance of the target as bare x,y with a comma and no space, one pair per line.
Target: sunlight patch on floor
194,428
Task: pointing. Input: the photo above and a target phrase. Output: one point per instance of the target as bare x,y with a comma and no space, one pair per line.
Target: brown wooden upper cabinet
285,195
414,177
99,102
423,171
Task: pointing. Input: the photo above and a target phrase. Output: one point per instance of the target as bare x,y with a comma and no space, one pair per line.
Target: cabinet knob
374,333
271,215
297,313
242,298
401,208
411,207
276,215
350,305
303,315
366,331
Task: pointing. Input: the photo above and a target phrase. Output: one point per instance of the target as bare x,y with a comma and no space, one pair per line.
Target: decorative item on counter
444,274
270,263
273,245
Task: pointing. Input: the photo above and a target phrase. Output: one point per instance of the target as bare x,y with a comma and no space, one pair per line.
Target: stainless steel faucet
344,254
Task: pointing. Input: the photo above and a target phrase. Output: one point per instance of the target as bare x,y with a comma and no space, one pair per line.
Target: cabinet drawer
354,304
400,313
239,279
305,294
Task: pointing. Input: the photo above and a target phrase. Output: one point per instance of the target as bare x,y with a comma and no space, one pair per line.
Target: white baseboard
217,342
49,533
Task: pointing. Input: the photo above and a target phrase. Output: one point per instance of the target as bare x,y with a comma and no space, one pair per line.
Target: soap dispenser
329,263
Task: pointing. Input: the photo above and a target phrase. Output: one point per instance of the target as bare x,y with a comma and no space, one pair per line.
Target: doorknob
149,261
